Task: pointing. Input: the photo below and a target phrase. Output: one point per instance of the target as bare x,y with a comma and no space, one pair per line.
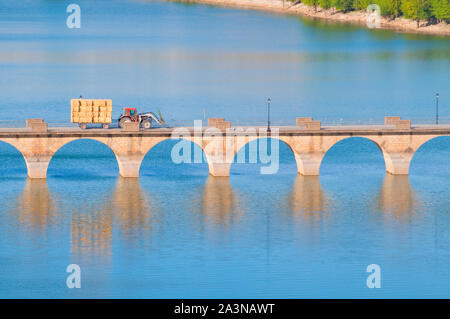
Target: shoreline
354,17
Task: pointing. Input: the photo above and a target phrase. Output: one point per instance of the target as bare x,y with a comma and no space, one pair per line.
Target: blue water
177,232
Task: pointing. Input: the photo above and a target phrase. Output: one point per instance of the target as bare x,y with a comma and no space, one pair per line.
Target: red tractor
145,119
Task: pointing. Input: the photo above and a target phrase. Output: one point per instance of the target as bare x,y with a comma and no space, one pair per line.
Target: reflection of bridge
309,145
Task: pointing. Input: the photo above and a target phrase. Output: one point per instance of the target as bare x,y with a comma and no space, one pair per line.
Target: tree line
434,11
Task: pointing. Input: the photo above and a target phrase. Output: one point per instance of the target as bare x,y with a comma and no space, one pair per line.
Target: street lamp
268,115
437,108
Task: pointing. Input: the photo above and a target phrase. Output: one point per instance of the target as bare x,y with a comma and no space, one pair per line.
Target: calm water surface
177,232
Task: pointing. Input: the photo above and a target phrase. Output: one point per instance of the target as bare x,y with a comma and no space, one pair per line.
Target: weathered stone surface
38,127
131,126
300,121
29,121
391,120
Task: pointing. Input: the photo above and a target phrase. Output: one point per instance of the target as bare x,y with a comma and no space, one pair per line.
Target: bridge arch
253,144
422,154
339,141
15,149
95,146
197,154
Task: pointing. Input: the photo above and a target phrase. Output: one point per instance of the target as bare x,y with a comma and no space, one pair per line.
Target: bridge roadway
309,146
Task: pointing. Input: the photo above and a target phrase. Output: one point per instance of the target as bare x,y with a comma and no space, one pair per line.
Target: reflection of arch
73,141
16,150
91,223
338,141
307,198
396,196
219,202
218,197
132,210
36,207
432,139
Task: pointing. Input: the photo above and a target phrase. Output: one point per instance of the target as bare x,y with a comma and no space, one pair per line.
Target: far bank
355,17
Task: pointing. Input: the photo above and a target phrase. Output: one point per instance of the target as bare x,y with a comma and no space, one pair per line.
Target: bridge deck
443,129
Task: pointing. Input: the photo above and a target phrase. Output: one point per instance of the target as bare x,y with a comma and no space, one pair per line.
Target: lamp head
268,100
437,95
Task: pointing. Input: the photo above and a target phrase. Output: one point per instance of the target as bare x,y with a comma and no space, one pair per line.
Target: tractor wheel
124,120
146,124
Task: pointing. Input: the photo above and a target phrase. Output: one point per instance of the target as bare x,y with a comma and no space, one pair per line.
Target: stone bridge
309,143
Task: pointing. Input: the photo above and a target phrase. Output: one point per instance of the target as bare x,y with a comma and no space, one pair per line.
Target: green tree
325,4
415,9
362,4
440,9
313,3
344,5
389,8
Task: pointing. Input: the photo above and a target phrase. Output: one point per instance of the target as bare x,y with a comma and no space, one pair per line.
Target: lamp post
437,108
268,115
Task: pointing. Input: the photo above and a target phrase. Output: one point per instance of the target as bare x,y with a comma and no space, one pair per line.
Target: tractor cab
130,112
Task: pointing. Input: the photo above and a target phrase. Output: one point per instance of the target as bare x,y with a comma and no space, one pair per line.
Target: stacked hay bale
91,111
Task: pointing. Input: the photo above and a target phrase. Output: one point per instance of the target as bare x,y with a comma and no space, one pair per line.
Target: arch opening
13,162
85,158
432,158
353,156
264,156
174,157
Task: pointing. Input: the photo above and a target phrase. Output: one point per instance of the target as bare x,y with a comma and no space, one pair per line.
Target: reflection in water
125,209
308,210
396,197
133,212
36,208
307,199
219,205
91,230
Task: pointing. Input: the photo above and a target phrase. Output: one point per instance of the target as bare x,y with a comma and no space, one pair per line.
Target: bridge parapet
36,125
219,123
397,122
307,123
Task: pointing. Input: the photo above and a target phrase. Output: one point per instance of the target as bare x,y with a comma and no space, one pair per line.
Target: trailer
91,111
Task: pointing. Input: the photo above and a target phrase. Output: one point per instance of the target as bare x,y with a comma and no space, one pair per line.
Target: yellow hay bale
74,104
91,110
